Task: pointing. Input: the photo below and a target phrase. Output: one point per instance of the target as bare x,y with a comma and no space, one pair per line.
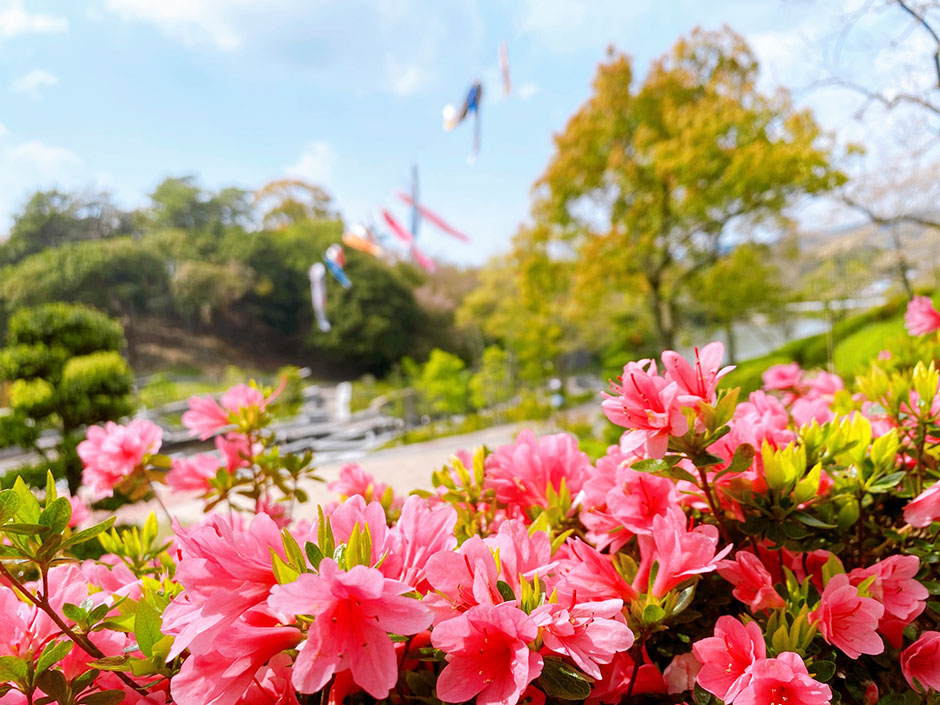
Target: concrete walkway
405,468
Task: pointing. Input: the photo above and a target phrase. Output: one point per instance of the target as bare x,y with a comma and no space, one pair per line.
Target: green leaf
13,669
56,515
147,623
9,503
88,534
505,591
26,529
74,612
823,671
53,653
810,520
887,483
28,511
314,554
559,680
700,696
292,550
103,697
53,683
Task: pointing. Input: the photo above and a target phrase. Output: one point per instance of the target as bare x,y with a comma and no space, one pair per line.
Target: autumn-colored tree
287,201
648,180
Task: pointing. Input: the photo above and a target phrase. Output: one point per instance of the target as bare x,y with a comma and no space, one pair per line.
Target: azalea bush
776,550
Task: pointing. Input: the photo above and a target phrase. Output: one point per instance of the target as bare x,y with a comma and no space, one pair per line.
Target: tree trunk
732,343
662,318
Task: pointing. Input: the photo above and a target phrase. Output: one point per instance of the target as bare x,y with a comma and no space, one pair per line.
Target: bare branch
926,25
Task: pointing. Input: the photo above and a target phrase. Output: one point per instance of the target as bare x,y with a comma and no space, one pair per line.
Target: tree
285,202
179,202
739,285
648,181
443,383
53,218
492,383
65,371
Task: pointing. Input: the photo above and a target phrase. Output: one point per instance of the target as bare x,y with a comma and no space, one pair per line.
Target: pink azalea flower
781,377
422,532
222,675
783,680
924,509
640,496
354,480
80,512
488,655
727,657
204,417
698,382
276,510
589,633
225,570
192,474
824,384
921,317
520,473
762,417
752,582
113,452
848,621
649,403
354,612
921,660
241,397
586,572
272,684
355,511
804,410
603,529
681,554
895,586
235,450
521,553
462,579
681,673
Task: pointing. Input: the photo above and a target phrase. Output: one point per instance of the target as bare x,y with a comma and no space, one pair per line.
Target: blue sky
117,94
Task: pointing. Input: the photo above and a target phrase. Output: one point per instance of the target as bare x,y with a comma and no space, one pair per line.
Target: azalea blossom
921,317
895,586
681,673
784,679
590,633
697,382
204,417
752,582
727,657
681,554
521,473
847,620
112,452
924,509
192,474
921,661
488,655
354,612
649,403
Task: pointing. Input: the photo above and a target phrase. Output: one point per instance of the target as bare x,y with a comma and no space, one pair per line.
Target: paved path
405,468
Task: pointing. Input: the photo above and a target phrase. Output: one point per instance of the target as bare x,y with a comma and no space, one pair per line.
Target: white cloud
565,26
527,90
395,46
405,79
315,164
31,165
190,20
31,83
14,19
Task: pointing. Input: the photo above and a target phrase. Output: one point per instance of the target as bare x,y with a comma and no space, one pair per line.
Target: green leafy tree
443,383
53,218
648,180
493,382
63,370
742,283
179,202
